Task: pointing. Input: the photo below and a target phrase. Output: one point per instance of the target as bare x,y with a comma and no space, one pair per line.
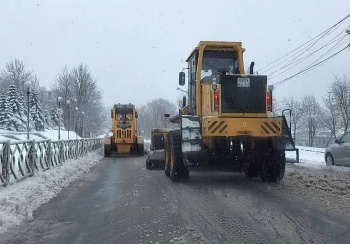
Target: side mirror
112,113
183,101
136,115
182,77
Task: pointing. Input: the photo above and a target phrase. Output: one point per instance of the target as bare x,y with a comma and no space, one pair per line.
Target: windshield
124,113
218,62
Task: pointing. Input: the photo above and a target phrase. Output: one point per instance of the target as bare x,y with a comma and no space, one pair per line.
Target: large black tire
167,156
251,169
177,167
329,159
274,168
107,151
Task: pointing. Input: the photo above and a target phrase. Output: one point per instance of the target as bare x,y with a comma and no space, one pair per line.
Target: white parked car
339,152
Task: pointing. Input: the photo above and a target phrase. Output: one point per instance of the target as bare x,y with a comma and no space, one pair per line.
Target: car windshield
346,138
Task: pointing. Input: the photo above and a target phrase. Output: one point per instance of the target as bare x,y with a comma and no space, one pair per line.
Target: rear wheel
107,152
274,168
167,155
251,169
329,160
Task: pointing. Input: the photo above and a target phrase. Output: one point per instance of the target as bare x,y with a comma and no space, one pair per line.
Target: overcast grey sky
135,49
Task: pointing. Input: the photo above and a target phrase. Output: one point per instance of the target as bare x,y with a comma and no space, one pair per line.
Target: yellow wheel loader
124,140
227,122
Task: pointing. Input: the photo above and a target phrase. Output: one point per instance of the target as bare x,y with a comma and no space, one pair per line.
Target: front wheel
175,156
329,160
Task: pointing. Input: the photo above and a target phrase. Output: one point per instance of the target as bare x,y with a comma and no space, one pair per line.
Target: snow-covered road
311,179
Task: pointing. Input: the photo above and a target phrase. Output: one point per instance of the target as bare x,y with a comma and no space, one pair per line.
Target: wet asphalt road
120,201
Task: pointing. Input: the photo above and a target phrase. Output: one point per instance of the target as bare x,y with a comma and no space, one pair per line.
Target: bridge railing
20,159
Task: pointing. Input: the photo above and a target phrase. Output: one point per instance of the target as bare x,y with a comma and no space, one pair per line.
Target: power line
310,67
319,36
286,68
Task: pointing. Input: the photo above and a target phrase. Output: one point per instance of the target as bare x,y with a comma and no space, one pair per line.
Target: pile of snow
18,201
320,184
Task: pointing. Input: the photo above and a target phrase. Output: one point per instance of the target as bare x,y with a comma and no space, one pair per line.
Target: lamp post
59,112
68,125
28,92
82,123
76,122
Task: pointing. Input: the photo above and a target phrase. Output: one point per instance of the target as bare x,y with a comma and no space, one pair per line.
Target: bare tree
15,73
151,115
297,113
312,116
331,118
340,90
80,88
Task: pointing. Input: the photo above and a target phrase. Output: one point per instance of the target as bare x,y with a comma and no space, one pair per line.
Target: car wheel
329,160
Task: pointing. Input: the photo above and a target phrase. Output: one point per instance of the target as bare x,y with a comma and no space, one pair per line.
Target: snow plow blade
156,159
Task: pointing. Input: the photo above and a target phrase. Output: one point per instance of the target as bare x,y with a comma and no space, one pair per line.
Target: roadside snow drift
19,200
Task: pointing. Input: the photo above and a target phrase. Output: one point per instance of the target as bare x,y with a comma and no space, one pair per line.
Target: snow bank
18,201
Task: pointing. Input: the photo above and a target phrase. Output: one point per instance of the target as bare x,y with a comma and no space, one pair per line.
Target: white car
339,152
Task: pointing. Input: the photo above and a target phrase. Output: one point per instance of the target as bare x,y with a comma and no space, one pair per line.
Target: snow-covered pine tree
6,115
37,113
48,122
54,118
19,118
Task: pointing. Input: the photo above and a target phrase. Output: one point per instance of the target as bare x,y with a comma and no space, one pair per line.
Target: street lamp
76,122
59,112
68,102
82,123
28,92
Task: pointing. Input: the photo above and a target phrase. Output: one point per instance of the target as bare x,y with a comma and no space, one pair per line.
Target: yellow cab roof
216,44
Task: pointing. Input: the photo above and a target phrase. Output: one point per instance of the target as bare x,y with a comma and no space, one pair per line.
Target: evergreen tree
54,118
6,114
19,118
47,120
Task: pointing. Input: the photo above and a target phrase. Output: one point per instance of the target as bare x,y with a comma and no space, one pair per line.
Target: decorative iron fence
20,159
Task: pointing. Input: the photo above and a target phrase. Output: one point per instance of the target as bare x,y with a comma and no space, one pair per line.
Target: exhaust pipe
251,68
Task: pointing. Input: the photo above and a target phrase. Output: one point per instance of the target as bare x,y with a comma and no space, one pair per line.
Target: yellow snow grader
124,140
228,121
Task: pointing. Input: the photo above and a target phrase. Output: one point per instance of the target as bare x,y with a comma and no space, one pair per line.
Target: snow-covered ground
310,178
19,199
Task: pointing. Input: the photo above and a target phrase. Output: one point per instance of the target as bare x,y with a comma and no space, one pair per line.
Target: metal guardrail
20,159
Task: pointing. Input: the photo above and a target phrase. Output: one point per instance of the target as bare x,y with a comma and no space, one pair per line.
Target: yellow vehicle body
124,140
228,118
